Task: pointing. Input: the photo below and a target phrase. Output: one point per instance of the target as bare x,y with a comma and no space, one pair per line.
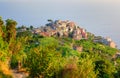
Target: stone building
107,41
78,48
112,44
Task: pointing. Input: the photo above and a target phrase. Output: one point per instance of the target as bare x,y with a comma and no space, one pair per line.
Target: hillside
60,49
68,29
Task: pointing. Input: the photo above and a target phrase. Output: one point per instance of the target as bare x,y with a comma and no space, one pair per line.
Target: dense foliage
53,57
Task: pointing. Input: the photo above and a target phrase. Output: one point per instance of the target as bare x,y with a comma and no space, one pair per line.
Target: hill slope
68,52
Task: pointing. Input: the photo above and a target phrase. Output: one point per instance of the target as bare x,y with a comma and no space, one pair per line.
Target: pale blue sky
101,17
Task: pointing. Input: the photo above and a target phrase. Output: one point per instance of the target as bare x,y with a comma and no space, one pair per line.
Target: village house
107,41
45,34
77,34
53,32
36,31
71,26
78,48
22,29
84,33
112,44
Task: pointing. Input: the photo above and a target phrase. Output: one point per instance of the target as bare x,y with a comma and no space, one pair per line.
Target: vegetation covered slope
54,57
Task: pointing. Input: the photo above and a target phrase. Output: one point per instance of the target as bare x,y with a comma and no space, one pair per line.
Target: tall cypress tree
11,30
1,24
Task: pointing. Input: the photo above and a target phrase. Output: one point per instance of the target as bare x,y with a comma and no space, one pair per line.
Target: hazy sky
101,17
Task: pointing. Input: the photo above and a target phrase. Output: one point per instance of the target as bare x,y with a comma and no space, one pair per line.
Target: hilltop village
59,28
62,29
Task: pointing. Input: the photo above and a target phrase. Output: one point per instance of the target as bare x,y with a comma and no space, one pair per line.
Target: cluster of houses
107,41
62,29
67,28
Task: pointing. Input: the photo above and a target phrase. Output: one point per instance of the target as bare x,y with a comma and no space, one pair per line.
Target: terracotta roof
45,34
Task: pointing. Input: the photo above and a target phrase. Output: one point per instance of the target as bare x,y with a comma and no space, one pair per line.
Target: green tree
50,20
31,27
18,54
90,36
3,50
24,34
44,60
1,26
11,30
79,67
104,68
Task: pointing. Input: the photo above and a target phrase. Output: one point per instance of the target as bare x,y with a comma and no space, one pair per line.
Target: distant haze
101,17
